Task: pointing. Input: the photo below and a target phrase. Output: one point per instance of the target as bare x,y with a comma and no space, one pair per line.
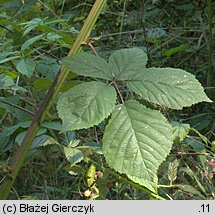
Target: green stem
210,77
122,21
48,101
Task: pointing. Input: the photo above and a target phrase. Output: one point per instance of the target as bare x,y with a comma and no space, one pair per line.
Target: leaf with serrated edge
137,140
86,105
152,186
125,63
88,65
174,88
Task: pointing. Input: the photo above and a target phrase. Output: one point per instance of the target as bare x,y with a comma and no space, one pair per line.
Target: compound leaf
86,105
174,88
137,140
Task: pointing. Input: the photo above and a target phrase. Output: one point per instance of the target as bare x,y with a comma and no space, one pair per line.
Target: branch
18,107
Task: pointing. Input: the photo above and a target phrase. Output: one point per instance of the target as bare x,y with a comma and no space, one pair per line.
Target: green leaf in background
137,140
174,88
190,190
5,82
54,125
26,66
42,83
90,175
13,99
175,50
30,41
198,147
193,175
88,65
21,135
43,140
7,132
126,63
5,54
9,59
32,24
48,67
86,105
73,155
180,131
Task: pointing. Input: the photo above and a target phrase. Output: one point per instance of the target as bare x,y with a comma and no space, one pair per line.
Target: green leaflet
174,88
137,140
126,63
86,105
26,66
88,65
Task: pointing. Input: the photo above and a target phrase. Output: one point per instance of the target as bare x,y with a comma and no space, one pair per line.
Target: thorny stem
90,45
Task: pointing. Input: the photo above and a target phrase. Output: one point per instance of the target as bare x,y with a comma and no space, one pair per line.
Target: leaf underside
137,140
88,65
152,186
125,63
86,105
173,88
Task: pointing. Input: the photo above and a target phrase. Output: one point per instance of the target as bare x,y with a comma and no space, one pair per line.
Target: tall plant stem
48,101
122,21
211,76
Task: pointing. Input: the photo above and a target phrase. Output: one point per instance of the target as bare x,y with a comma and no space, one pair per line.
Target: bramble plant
83,126
137,139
